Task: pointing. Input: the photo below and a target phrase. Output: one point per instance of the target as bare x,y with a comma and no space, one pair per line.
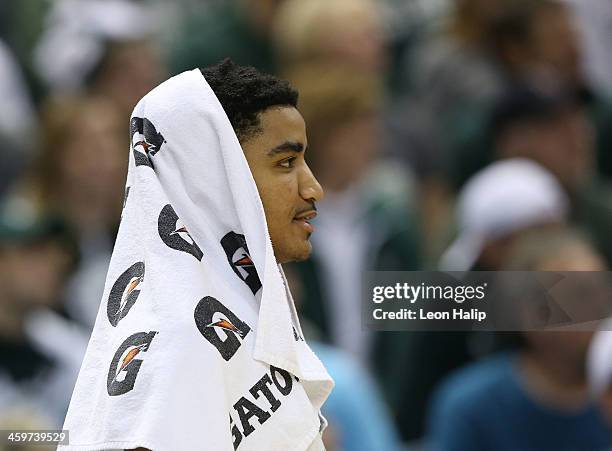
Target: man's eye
288,163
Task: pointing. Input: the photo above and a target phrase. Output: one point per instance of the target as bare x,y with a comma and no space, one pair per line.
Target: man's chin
297,254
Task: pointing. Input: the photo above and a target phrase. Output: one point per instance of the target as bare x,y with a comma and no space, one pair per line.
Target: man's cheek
285,195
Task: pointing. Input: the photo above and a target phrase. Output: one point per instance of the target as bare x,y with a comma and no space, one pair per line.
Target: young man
263,113
536,397
197,344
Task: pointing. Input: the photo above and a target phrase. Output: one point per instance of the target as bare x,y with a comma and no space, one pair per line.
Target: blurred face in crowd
287,188
496,251
33,274
344,155
130,70
93,158
355,38
565,347
564,144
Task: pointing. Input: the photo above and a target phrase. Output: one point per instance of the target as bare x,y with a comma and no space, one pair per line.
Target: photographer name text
473,314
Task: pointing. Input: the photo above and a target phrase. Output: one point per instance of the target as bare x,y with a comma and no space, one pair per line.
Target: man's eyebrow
287,146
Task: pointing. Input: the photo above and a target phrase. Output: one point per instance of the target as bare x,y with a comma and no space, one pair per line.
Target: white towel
197,345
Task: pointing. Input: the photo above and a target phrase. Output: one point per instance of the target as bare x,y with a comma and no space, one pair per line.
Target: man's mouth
304,220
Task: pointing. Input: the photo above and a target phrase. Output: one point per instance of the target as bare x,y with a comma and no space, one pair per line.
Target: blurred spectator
238,29
536,45
453,71
549,128
40,352
367,35
536,398
553,129
128,70
367,202
488,48
367,219
343,32
80,175
454,74
497,207
107,47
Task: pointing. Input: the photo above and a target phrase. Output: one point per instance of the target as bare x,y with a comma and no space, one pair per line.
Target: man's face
287,188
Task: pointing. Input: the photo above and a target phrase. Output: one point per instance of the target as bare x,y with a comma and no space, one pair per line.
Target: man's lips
303,219
307,215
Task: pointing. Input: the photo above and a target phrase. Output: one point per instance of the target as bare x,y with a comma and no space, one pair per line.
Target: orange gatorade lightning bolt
130,356
225,324
131,287
245,261
134,283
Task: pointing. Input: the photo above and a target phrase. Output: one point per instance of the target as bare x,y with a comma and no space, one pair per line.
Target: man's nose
310,189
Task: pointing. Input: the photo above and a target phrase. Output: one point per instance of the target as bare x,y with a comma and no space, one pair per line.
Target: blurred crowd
448,134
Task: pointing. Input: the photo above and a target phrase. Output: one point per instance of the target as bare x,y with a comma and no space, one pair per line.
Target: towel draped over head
197,344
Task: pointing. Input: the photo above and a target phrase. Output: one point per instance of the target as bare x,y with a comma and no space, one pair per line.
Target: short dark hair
244,92
524,103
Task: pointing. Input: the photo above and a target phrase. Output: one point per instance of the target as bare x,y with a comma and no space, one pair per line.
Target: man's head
272,133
